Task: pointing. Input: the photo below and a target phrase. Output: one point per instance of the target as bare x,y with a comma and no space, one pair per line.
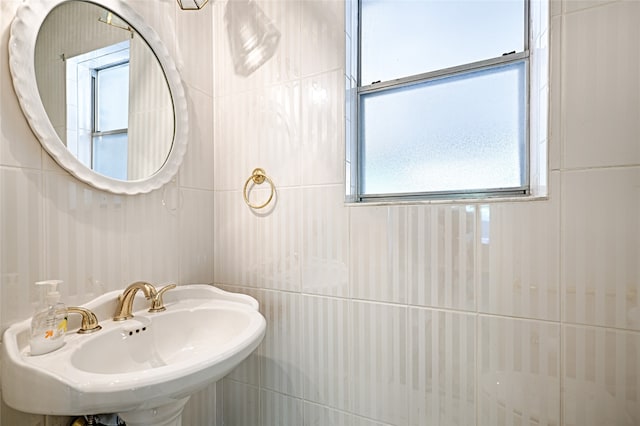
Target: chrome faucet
125,300
89,319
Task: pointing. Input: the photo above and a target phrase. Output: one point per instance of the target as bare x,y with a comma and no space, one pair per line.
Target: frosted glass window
440,101
110,154
402,38
112,100
461,133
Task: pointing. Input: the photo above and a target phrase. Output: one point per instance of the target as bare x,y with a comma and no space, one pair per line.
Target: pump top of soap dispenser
52,294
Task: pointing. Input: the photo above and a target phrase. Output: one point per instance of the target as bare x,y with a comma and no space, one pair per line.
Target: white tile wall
377,316
455,311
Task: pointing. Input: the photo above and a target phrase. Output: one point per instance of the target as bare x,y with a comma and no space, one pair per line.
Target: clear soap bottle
49,322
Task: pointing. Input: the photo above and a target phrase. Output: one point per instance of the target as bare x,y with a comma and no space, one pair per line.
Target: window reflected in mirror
97,132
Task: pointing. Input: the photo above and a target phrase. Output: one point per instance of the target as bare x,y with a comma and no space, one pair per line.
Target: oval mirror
100,91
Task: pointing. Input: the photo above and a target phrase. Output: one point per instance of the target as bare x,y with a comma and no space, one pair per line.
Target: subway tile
193,35
21,244
281,367
320,415
196,236
236,149
236,259
241,404
248,371
519,256
571,6
601,377
379,382
326,345
280,410
442,362
261,129
322,120
162,18
196,170
441,256
378,253
85,239
201,407
601,91
600,250
151,255
518,372
277,133
325,245
249,249
322,47
278,238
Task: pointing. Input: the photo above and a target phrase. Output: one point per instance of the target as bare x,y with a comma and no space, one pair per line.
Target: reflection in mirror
104,91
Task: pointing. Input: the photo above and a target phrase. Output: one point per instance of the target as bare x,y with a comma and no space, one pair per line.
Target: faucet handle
89,319
157,304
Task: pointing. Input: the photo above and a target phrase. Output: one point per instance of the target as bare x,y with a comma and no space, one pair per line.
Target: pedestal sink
145,368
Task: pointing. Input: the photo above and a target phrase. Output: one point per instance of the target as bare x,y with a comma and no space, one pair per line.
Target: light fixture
192,4
253,39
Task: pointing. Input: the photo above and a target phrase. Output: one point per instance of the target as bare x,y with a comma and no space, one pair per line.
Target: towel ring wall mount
258,177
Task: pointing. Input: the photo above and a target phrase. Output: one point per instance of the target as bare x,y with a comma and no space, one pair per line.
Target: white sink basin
143,363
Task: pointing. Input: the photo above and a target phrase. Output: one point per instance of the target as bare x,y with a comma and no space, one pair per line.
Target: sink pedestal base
165,415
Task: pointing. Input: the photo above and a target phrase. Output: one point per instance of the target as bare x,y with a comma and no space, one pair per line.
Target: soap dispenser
49,323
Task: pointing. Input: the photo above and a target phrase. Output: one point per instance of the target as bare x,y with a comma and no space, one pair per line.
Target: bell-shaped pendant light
253,39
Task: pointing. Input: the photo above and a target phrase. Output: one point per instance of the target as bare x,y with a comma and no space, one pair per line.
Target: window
110,120
98,109
439,98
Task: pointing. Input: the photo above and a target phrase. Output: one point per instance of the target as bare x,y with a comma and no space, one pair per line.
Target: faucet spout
125,300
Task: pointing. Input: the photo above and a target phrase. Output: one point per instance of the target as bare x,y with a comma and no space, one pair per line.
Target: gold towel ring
258,176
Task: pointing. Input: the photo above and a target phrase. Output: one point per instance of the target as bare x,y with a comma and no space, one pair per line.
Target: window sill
451,201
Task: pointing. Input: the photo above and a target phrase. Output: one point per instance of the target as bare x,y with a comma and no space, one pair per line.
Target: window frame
354,149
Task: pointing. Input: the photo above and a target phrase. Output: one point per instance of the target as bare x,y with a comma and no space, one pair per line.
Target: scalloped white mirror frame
24,33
